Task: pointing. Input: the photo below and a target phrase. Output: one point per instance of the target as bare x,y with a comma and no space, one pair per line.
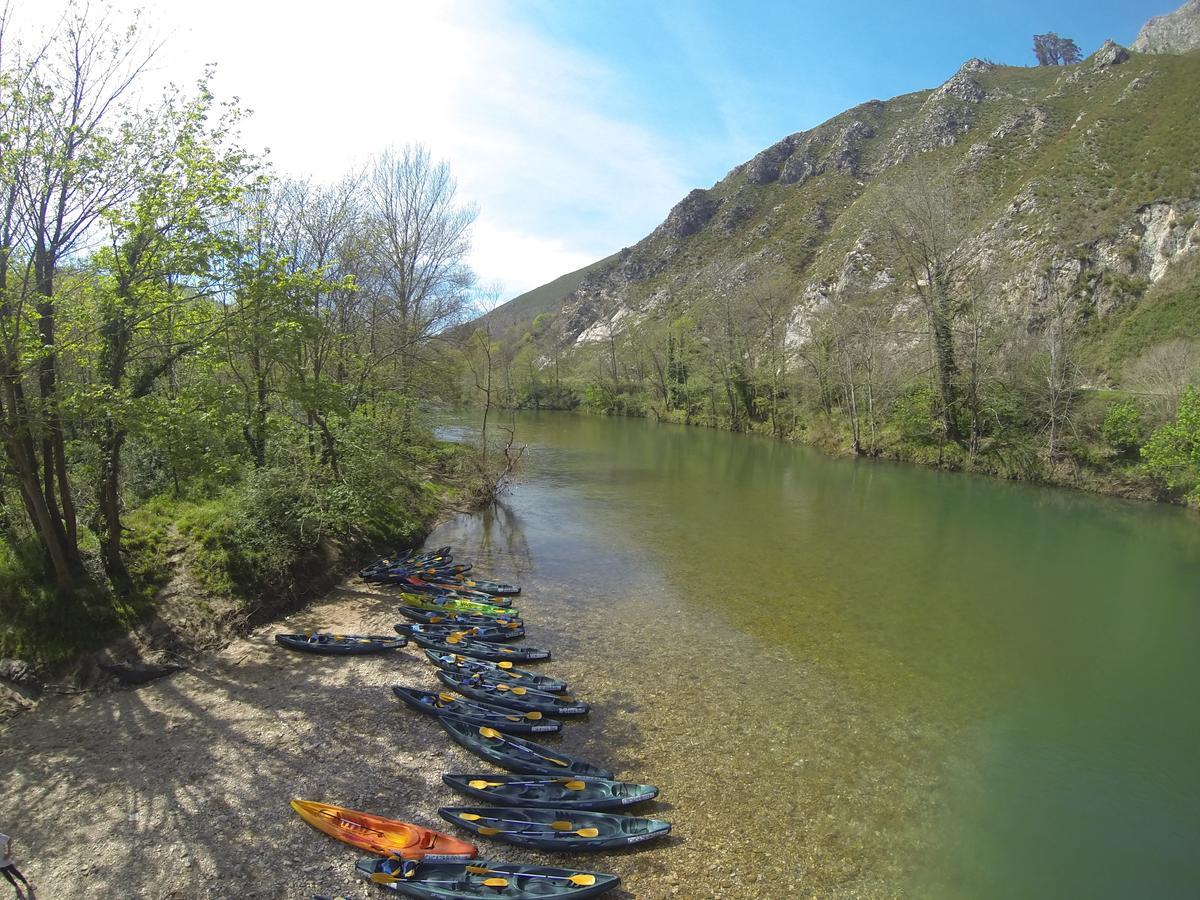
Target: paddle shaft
497,736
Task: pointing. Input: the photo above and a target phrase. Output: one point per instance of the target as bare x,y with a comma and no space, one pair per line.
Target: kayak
451,603
485,878
430,559
459,642
472,712
513,696
555,829
496,673
491,632
439,617
516,754
380,835
420,586
556,791
457,582
341,644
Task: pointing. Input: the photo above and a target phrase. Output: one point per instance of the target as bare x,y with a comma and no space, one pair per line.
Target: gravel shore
180,788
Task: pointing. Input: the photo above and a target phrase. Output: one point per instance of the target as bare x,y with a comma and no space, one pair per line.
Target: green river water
852,678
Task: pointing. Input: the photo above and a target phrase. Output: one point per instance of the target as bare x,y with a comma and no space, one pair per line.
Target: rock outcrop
1176,32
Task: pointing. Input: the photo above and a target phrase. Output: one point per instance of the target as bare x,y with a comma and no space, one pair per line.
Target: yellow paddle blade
495,882
383,878
583,879
574,785
513,718
446,698
488,832
569,698
588,832
436,619
480,784
516,690
489,732
454,638
504,664
459,658
470,817
561,826
533,716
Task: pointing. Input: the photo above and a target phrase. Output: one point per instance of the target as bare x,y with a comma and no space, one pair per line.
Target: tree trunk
109,492
947,376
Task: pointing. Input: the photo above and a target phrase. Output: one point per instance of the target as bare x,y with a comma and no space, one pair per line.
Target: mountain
526,307
1088,172
1177,32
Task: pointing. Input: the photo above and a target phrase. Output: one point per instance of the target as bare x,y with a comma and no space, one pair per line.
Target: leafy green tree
1052,50
1122,427
1172,453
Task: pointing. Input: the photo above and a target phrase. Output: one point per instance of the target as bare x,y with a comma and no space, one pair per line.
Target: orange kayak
383,836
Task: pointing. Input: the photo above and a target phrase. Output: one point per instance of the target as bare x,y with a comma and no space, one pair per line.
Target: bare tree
1161,375
419,239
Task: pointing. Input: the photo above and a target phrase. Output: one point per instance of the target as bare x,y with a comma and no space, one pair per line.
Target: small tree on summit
1052,50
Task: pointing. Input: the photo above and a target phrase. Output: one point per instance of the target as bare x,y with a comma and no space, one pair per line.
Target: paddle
479,783
385,878
489,832
532,716
582,879
520,692
465,660
497,736
558,825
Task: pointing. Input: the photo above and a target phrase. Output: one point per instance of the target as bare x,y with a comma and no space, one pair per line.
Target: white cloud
527,125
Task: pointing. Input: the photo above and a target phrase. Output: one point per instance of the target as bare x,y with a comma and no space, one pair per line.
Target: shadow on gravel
181,788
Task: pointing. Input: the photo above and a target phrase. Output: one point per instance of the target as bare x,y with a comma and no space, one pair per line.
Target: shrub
1173,452
1122,428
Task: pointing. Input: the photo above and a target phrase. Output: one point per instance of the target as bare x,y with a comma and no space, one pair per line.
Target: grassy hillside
547,298
778,299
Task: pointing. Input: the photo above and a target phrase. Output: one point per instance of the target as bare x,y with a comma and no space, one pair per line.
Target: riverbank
210,565
180,788
1090,467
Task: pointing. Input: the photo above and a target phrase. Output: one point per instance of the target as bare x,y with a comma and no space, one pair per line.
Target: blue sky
575,125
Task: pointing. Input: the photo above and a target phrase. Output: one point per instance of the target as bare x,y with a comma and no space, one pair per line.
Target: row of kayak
552,801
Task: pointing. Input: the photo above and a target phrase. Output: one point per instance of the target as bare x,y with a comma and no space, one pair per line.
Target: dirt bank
180,788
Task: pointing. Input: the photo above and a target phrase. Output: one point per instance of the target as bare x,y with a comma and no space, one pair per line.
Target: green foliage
614,400
1172,454
1122,427
914,415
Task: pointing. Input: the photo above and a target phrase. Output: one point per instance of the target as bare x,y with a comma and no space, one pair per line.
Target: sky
576,125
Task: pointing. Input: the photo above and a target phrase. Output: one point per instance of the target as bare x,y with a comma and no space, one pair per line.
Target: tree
1173,451
1161,375
1122,427
160,261
419,236
927,229
1052,50
63,162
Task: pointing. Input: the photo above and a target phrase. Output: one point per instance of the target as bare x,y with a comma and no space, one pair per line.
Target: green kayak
455,605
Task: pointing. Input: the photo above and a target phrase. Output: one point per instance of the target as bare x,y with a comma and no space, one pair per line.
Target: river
856,678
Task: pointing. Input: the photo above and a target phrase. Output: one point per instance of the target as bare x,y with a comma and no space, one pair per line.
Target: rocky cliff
1177,32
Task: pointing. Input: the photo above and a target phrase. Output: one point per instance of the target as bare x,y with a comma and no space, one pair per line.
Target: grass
259,538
